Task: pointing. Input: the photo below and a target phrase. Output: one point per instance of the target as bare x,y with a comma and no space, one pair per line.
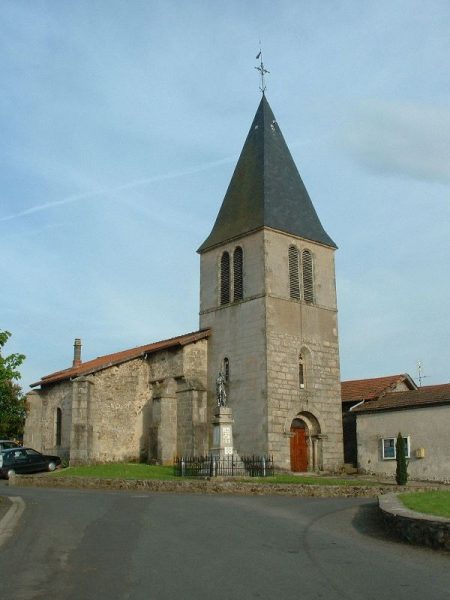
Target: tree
12,401
401,473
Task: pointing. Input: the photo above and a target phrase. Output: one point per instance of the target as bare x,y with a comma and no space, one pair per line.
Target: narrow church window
238,279
294,283
58,426
225,278
226,369
308,281
301,372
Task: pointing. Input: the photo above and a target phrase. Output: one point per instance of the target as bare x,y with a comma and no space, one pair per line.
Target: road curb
11,518
414,527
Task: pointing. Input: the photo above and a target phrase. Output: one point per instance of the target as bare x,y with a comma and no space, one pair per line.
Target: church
268,324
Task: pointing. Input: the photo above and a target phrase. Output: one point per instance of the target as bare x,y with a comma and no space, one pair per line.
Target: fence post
183,467
264,465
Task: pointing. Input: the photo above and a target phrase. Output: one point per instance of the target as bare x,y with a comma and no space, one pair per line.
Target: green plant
12,401
401,472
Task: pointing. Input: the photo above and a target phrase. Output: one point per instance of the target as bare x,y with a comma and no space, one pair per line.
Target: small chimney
77,353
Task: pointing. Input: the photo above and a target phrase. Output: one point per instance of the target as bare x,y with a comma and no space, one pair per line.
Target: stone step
350,469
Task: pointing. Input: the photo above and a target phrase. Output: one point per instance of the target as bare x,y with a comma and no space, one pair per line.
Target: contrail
125,186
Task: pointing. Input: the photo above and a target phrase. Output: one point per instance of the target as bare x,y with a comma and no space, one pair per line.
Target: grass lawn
118,471
142,471
431,503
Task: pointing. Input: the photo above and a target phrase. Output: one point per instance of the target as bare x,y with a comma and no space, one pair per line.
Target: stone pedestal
222,422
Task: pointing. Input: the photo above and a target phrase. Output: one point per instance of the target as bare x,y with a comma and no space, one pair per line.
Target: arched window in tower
226,369
58,426
301,372
294,282
225,278
308,276
238,276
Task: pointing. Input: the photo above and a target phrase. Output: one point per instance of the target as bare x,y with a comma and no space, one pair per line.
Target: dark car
5,444
25,460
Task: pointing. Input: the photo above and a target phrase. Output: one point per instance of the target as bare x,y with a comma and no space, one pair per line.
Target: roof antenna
420,375
261,70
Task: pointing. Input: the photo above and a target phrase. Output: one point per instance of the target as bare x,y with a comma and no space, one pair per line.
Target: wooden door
299,448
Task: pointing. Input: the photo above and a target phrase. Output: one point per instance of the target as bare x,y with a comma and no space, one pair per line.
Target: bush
401,473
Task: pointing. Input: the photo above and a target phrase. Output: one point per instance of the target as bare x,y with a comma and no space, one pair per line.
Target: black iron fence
226,466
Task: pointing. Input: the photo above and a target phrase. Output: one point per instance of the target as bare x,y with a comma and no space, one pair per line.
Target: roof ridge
106,360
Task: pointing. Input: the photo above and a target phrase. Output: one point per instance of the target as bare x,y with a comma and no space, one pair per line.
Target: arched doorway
305,443
299,446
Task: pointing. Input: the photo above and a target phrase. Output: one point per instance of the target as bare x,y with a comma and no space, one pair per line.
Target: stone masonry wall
238,333
177,423
40,424
295,327
143,408
119,402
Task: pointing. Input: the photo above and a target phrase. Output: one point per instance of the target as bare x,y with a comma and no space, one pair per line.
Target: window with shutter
238,277
294,282
308,276
225,278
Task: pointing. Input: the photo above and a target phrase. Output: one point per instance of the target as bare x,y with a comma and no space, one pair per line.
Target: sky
122,120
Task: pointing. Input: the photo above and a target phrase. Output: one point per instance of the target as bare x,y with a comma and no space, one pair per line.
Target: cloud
401,139
112,190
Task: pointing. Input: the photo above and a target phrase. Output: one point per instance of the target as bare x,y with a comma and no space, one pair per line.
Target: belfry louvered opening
225,278
308,276
294,281
238,276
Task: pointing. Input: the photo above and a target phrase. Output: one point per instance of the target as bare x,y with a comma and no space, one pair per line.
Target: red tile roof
103,362
422,397
368,389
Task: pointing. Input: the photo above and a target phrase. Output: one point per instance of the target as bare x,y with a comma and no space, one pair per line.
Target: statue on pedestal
221,392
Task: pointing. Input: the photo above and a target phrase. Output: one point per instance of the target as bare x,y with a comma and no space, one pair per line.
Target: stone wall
262,337
413,527
118,403
40,424
178,413
202,486
238,333
152,407
295,327
427,428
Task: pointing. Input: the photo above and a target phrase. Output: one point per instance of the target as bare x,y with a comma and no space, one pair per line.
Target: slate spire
266,189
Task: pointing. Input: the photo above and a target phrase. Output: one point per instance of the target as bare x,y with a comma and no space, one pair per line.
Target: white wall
428,428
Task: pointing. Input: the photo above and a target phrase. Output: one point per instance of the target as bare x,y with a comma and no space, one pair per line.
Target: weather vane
261,70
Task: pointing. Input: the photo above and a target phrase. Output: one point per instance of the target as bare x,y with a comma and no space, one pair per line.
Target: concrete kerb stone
203,486
9,520
412,526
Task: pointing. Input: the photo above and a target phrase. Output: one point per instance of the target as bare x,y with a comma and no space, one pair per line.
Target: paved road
83,545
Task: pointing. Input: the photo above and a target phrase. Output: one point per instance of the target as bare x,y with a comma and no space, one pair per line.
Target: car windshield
8,444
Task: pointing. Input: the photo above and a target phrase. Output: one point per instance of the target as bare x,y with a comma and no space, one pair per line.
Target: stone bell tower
267,291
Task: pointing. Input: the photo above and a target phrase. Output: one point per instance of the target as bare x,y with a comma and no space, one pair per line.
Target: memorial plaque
226,435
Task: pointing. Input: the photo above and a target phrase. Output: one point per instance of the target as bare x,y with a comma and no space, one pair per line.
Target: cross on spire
261,70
